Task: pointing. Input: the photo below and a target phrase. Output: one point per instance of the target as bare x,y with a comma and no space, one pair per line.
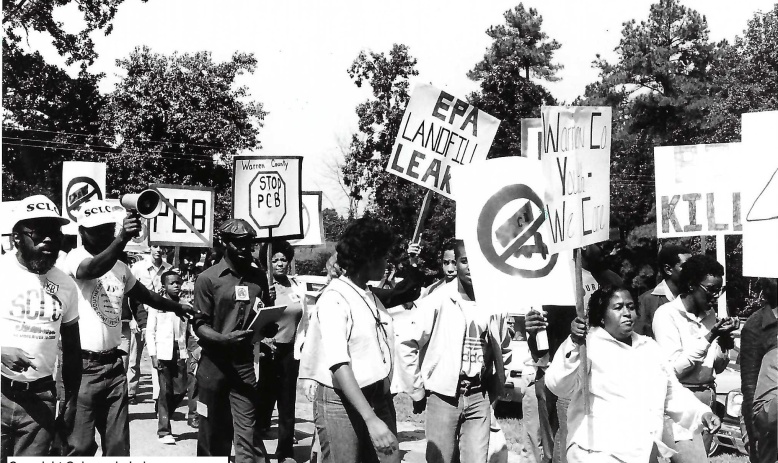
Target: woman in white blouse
631,386
349,350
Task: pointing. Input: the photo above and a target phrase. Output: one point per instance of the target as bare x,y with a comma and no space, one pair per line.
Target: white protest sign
267,192
313,226
696,190
186,216
501,219
532,138
81,182
139,243
576,165
438,133
7,216
760,195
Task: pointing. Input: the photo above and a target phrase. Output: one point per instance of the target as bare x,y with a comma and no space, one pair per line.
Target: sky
304,49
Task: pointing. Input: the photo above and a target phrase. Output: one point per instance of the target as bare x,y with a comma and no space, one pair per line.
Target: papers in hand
264,316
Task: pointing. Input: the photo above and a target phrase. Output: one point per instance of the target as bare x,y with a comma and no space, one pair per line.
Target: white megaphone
147,203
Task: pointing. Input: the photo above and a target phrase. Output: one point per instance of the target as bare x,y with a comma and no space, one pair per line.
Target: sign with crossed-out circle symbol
79,191
516,257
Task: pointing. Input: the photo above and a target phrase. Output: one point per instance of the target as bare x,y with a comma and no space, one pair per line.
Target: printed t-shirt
33,307
100,302
474,346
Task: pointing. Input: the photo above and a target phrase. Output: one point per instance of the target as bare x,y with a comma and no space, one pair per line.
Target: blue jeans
27,423
341,430
560,439
458,427
102,405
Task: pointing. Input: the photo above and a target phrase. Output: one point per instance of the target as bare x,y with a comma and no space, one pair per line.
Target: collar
347,281
150,265
223,267
663,290
690,316
600,333
769,318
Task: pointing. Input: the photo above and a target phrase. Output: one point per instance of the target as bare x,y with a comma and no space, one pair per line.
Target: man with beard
225,294
39,307
103,280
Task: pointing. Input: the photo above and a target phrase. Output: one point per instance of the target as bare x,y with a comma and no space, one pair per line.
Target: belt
700,387
37,385
104,357
469,385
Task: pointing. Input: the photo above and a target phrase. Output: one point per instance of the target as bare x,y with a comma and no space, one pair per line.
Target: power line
99,147
202,161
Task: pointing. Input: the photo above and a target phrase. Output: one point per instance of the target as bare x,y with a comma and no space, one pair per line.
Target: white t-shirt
33,308
474,345
100,302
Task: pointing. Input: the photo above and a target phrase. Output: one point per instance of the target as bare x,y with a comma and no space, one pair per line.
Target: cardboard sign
760,195
438,133
576,166
697,192
313,225
186,217
501,219
532,138
81,182
267,192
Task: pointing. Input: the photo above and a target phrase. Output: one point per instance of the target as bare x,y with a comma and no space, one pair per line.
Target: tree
334,224
519,51
178,119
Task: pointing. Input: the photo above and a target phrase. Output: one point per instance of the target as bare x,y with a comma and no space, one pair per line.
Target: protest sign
697,191
760,195
81,182
7,216
576,165
313,226
186,217
531,138
267,192
501,219
438,133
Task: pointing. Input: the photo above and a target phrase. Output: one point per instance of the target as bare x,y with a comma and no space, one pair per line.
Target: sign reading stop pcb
267,192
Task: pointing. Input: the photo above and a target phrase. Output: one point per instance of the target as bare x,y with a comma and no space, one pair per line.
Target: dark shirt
215,297
759,335
405,291
647,305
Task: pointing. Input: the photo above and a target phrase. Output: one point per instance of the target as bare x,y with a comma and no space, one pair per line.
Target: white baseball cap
98,212
37,207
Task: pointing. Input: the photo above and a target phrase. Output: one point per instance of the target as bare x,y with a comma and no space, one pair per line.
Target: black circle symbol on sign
72,207
306,220
485,227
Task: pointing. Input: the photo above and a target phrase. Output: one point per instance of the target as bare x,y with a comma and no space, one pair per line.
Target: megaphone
147,203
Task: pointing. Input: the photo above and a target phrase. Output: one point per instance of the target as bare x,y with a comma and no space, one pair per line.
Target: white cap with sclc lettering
37,207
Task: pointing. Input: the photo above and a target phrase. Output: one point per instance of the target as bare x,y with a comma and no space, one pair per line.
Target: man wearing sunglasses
103,280
686,329
39,307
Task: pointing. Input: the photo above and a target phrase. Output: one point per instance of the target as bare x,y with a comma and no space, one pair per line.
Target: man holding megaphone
102,280
147,203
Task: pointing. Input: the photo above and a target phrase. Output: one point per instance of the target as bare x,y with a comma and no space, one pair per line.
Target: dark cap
236,228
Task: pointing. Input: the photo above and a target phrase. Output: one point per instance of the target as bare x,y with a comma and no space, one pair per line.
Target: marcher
686,329
39,308
278,368
225,294
102,281
167,348
765,409
148,272
448,268
758,337
454,354
671,258
349,350
630,386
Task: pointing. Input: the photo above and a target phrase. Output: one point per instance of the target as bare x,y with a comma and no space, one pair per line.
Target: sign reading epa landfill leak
267,193
439,132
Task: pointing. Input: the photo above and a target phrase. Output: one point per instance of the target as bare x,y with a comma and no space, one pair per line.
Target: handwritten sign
186,217
532,138
576,165
695,191
760,195
502,221
313,226
438,133
267,193
81,182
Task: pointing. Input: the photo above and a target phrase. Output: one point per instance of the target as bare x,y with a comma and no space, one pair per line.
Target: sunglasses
39,234
713,292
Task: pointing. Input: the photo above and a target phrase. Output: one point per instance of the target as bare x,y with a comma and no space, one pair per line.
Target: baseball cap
98,212
37,207
237,228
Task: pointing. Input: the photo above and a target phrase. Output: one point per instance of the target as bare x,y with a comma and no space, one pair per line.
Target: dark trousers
102,405
278,383
549,421
191,378
171,390
27,423
228,404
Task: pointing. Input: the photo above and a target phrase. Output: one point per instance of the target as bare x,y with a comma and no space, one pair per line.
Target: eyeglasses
40,234
713,292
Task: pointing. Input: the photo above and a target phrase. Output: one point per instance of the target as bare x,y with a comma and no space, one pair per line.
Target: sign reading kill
438,133
267,192
576,148
695,191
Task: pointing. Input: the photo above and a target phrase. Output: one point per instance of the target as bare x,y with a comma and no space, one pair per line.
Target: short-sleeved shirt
215,296
100,302
33,308
149,276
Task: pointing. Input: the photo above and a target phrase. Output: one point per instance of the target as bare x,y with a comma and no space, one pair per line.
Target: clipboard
263,316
